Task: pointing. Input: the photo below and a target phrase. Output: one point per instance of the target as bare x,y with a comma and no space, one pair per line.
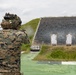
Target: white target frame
68,39
54,39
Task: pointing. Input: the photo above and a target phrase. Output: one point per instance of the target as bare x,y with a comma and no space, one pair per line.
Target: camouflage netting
11,21
10,42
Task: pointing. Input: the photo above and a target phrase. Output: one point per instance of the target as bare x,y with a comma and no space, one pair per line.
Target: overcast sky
30,9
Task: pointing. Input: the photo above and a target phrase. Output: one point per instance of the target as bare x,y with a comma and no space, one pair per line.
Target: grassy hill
57,53
30,28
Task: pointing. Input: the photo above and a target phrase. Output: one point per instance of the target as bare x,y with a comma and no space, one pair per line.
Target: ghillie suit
10,42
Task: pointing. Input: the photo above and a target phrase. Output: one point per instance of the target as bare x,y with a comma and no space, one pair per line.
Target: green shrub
57,54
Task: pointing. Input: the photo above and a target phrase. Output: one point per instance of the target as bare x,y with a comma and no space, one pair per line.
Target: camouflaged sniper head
11,21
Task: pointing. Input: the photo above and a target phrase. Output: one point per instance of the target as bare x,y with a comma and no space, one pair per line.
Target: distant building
56,31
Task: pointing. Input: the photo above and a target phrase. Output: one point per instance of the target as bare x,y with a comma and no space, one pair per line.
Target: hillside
57,53
30,27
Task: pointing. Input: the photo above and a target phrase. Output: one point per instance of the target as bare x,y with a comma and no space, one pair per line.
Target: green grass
44,50
30,28
25,47
33,23
30,67
59,53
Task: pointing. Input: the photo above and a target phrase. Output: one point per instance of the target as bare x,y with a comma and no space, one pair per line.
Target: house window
68,39
53,39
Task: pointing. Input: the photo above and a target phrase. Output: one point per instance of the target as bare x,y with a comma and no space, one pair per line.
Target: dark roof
56,25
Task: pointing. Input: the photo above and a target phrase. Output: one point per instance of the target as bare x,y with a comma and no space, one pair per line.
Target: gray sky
30,9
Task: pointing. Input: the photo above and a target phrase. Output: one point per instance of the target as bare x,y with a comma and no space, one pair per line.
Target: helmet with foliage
11,21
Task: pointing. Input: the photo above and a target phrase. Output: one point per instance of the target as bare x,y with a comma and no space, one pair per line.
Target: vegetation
30,28
25,48
58,53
